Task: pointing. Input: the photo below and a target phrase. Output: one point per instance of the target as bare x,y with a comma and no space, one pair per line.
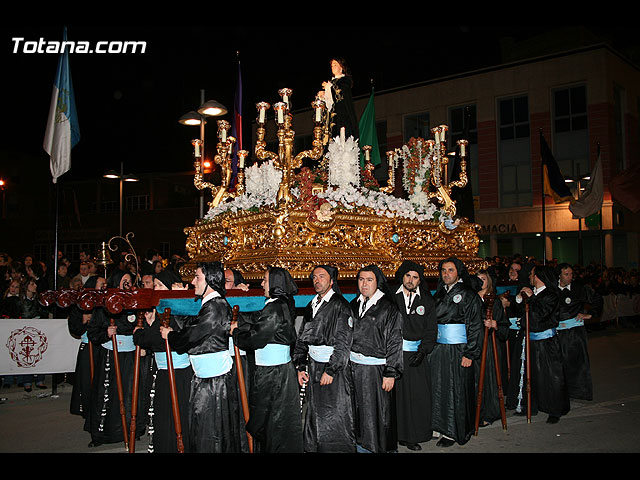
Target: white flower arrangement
344,162
382,203
261,188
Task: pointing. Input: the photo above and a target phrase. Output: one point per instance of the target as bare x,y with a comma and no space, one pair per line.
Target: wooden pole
241,382
172,386
116,364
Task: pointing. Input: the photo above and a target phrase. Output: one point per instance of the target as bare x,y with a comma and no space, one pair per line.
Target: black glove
416,359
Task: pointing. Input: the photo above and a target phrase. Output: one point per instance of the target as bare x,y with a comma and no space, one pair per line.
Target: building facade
582,101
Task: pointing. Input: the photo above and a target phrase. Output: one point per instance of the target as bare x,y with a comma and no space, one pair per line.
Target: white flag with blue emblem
62,132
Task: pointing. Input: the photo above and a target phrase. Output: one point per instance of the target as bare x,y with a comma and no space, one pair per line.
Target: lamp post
210,108
122,178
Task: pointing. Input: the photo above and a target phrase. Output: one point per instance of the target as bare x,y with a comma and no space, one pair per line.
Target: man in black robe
162,431
275,422
103,420
419,328
549,392
376,361
572,334
321,357
516,397
213,412
458,345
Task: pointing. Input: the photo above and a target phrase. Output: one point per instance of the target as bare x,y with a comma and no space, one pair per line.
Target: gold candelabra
437,153
223,158
284,159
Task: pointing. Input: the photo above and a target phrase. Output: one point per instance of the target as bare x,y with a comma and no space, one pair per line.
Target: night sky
128,104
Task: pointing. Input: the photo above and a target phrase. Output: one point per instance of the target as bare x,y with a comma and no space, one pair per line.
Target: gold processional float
334,213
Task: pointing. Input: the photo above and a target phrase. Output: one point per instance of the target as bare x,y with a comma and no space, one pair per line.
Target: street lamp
210,108
123,178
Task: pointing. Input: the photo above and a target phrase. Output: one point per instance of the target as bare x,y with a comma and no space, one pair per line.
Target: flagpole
544,227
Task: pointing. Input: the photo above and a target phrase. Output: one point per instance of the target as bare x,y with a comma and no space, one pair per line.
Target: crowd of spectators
23,278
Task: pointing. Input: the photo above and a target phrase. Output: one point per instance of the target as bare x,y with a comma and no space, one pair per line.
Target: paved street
39,422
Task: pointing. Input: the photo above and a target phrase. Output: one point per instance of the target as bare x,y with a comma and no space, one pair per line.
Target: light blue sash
365,360
208,365
273,354
84,338
514,323
179,360
320,353
550,332
570,323
410,345
232,350
125,343
452,334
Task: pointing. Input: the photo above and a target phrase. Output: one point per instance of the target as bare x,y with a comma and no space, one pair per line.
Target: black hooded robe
104,421
549,392
490,408
329,422
453,386
163,437
573,340
413,389
81,390
275,420
376,334
213,401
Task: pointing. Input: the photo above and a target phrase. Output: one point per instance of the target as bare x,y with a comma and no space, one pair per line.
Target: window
463,124
514,152
416,126
571,137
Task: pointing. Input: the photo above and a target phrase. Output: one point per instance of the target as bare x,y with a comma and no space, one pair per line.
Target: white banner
36,346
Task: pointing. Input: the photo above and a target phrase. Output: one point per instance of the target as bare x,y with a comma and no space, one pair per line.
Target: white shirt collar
372,301
536,291
315,304
209,296
568,287
449,287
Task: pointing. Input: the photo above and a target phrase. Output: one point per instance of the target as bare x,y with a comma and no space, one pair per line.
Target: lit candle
262,109
437,135
196,144
443,129
241,156
279,107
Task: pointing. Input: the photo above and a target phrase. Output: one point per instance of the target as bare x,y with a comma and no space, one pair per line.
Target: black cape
329,421
214,405
573,341
275,421
376,334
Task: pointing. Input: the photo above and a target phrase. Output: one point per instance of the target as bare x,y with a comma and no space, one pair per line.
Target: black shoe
445,442
94,444
413,446
553,419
